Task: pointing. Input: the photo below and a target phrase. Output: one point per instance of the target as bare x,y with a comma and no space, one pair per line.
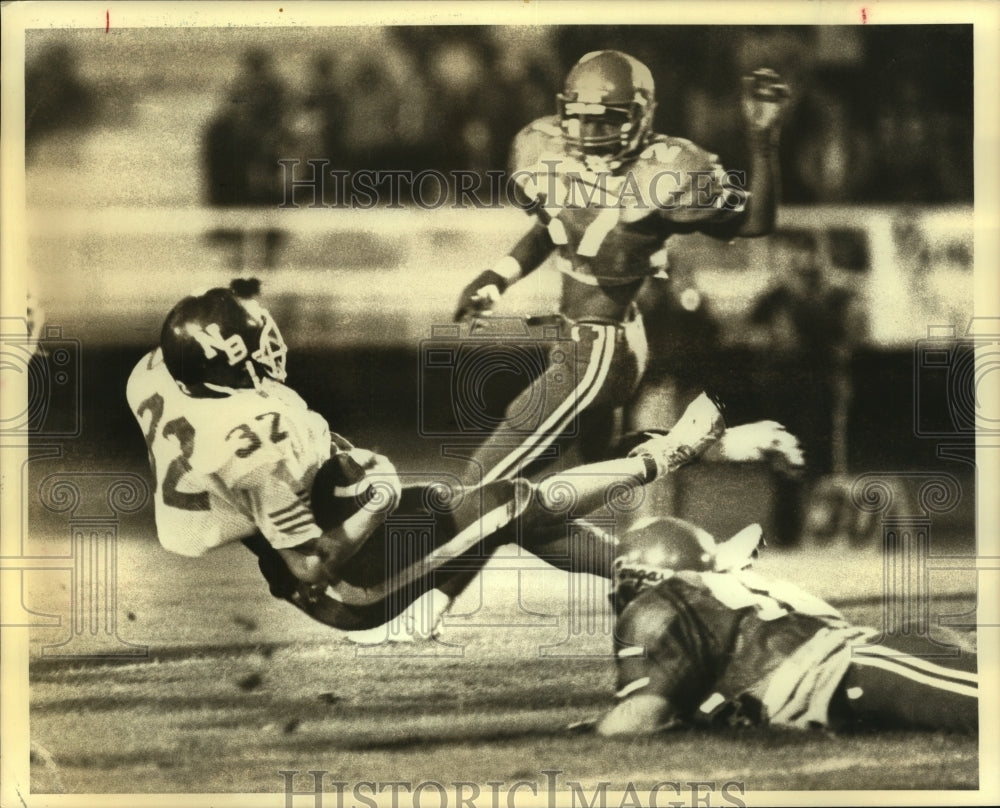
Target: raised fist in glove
764,98
480,295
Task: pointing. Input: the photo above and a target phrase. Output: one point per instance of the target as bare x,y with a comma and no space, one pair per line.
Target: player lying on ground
701,639
238,456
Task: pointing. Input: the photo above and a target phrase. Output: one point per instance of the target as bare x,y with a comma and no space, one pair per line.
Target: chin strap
252,371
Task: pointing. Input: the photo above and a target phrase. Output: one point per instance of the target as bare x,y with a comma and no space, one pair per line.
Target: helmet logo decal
212,342
593,88
218,343
639,575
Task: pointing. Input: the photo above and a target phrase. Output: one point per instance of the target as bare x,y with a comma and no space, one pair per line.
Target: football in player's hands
339,443
335,496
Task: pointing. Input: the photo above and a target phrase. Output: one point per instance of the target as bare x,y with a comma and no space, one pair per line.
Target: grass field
235,687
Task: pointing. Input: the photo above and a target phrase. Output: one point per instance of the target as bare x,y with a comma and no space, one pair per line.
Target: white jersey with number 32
226,468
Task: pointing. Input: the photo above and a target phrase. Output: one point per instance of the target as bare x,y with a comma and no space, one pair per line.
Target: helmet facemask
606,108
608,130
272,351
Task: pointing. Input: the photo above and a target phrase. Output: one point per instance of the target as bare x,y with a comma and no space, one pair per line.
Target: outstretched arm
659,668
525,257
763,100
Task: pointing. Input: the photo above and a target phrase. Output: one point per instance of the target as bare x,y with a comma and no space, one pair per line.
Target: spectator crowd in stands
872,119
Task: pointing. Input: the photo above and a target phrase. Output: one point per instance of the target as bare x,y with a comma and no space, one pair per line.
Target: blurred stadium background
152,172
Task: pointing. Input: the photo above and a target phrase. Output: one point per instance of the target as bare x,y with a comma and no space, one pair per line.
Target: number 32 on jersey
178,433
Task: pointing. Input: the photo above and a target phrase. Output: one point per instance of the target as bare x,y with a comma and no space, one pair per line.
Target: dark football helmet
655,548
219,342
606,107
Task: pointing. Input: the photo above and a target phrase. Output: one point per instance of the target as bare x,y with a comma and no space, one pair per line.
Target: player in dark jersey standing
701,639
607,192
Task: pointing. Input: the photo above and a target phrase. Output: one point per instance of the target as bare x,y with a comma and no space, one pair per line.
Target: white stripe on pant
887,663
581,397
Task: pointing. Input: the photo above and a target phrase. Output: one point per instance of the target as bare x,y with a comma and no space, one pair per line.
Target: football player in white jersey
238,456
232,449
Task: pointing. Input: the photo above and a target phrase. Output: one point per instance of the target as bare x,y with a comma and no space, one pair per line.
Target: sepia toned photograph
499,404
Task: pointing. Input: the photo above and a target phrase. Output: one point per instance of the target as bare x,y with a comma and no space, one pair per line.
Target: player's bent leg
374,623
588,488
405,616
911,686
414,611
546,529
321,603
279,577
427,530
320,606
605,485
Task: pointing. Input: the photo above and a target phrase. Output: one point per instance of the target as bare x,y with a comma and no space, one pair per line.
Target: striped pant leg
911,688
385,555
564,396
